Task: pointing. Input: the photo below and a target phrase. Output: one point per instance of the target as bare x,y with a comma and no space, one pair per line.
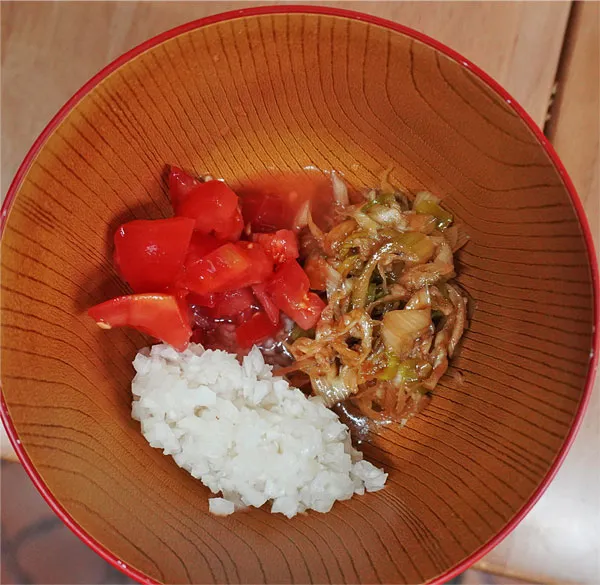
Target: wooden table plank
49,49
560,537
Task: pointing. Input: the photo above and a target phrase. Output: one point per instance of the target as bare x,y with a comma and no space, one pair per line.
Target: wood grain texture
560,537
272,93
58,46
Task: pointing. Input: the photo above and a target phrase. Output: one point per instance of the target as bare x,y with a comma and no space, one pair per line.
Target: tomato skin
262,265
281,245
289,280
235,303
232,229
289,290
213,206
150,253
266,302
258,328
201,245
180,185
232,266
159,315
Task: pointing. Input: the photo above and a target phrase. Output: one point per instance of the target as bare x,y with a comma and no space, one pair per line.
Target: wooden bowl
282,89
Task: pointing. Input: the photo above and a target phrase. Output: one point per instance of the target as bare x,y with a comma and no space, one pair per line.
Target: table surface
49,49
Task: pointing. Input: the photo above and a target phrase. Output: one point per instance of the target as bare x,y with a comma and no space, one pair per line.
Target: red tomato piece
149,254
281,245
266,212
209,300
227,268
180,184
201,245
266,302
289,290
309,311
262,265
213,206
233,303
258,328
159,315
231,230
289,279
197,336
317,269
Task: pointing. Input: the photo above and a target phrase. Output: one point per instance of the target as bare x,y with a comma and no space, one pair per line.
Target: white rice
245,433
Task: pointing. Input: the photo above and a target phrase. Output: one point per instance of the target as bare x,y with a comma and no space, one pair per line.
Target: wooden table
49,49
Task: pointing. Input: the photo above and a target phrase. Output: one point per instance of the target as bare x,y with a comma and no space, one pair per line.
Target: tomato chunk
231,230
266,302
309,311
266,212
289,290
209,300
150,253
233,303
229,267
317,270
214,207
201,245
180,185
258,328
290,280
281,245
159,315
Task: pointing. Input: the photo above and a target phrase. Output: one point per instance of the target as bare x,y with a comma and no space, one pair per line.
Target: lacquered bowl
283,89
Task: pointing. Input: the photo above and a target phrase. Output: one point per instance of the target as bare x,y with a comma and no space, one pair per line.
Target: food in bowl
354,303
246,433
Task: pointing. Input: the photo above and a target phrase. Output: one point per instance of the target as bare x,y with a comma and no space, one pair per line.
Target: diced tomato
209,300
258,328
150,253
272,202
180,184
266,212
159,315
262,265
309,311
289,279
231,230
266,302
227,268
316,269
197,336
214,207
233,303
281,245
201,245
289,290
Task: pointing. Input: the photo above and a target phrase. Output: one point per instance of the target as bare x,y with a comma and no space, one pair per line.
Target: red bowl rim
307,9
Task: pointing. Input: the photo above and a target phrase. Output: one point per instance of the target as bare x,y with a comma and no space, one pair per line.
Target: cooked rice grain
245,433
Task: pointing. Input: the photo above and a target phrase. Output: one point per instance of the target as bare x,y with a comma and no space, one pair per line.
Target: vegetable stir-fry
393,317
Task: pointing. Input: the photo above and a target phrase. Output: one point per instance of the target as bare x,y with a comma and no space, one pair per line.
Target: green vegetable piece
391,369
428,207
372,293
386,198
407,371
297,332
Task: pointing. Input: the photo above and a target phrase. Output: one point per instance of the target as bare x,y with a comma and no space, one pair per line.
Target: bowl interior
261,94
